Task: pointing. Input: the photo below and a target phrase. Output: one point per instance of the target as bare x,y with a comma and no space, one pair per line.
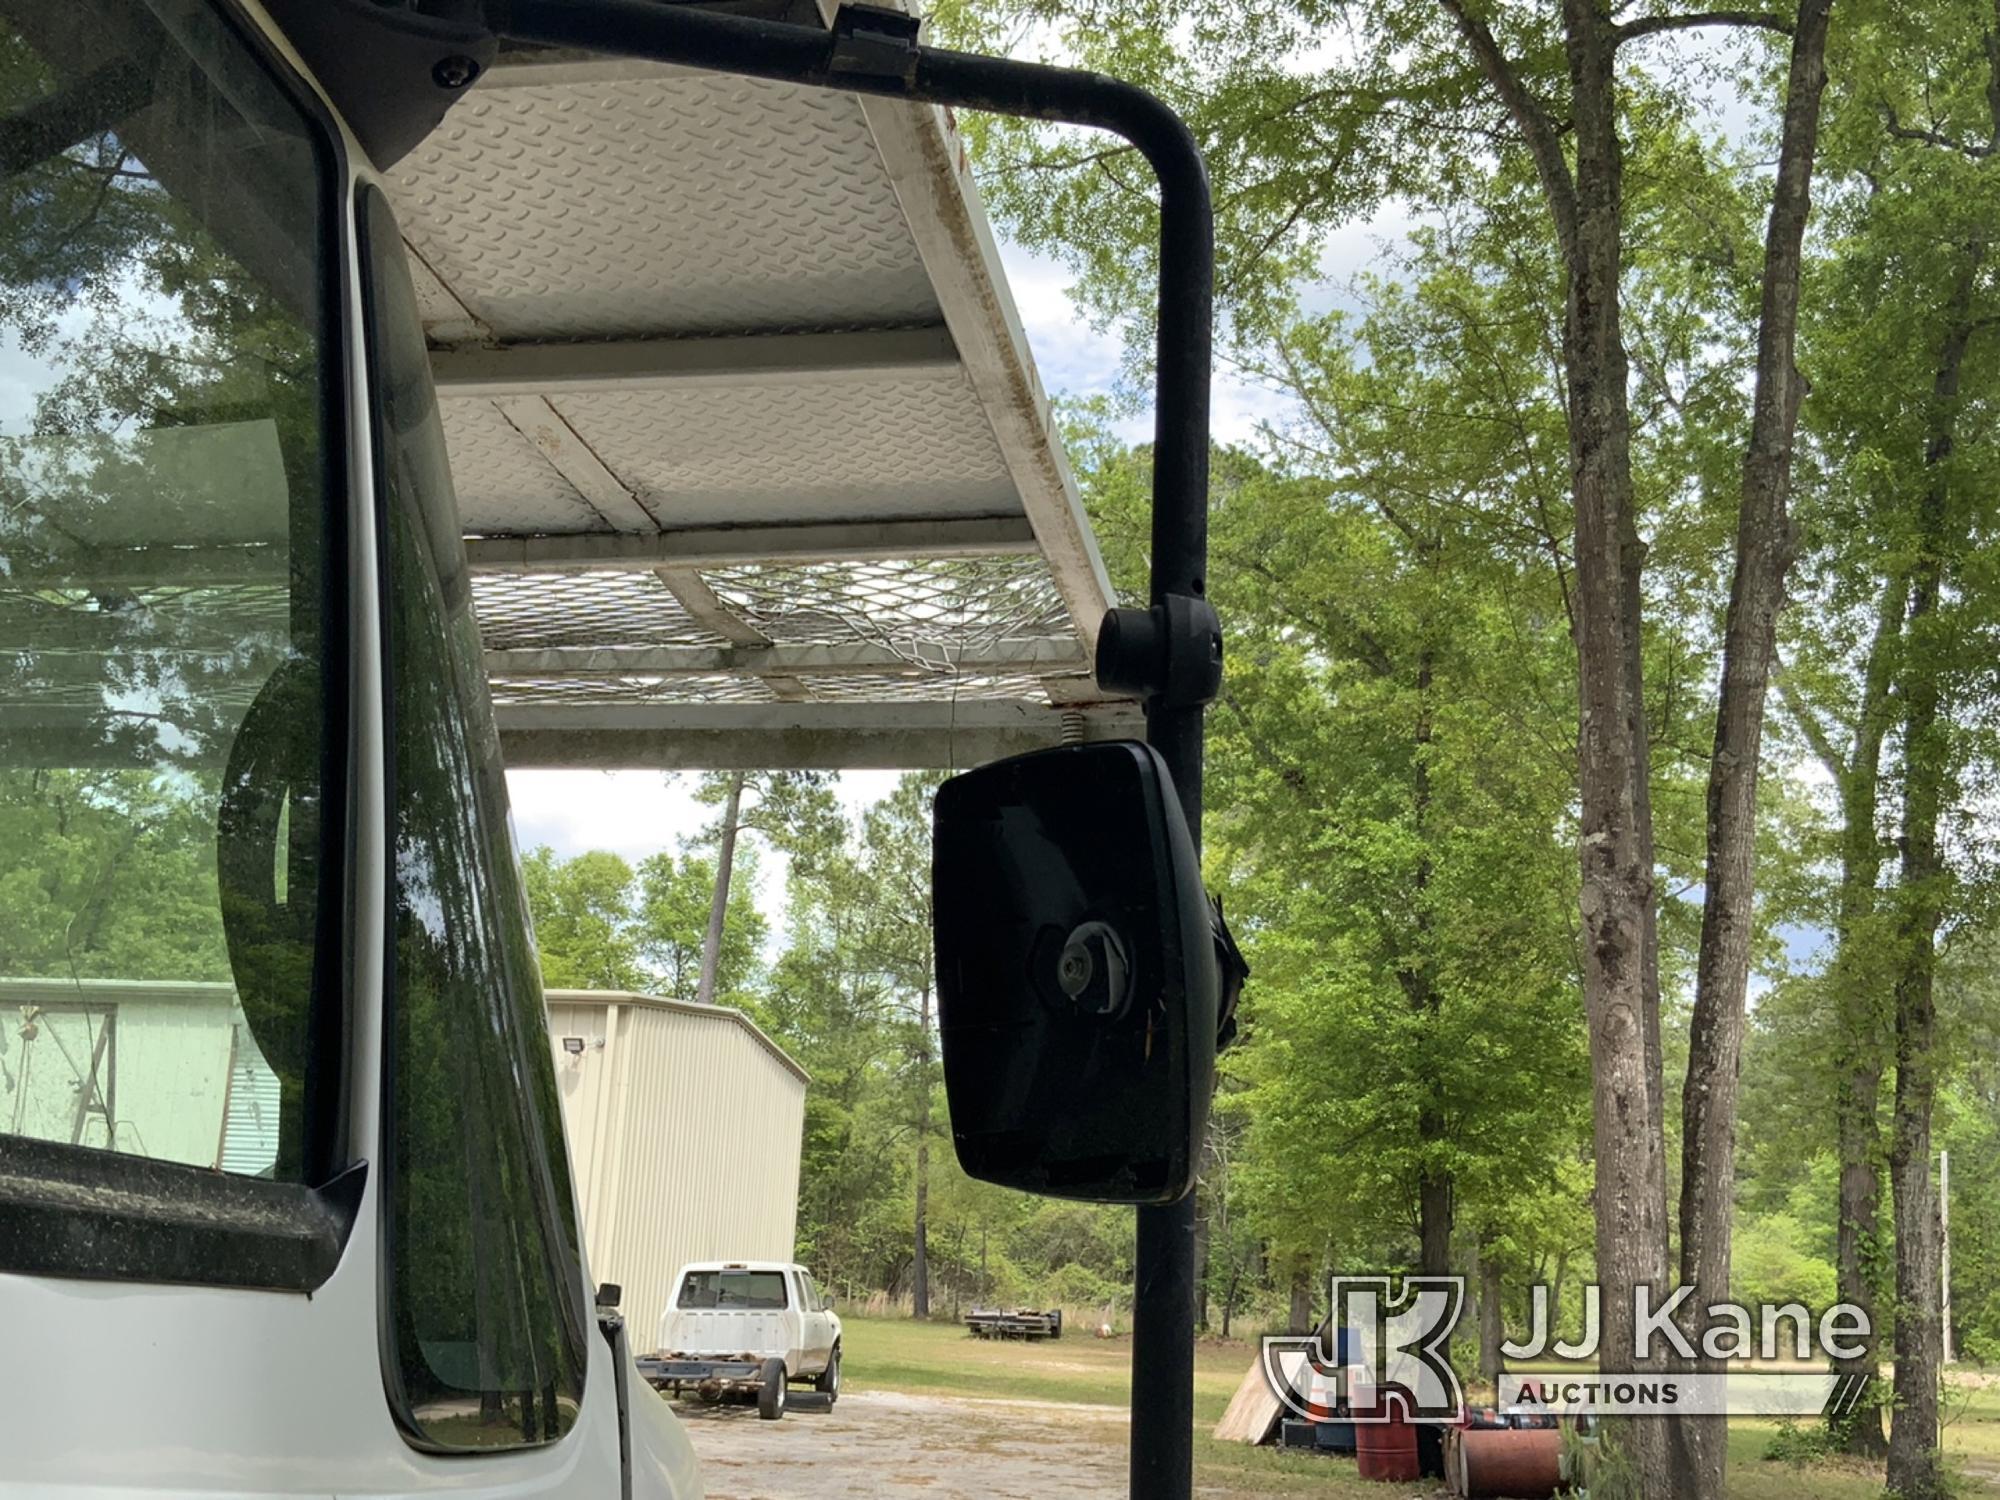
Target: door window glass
165,593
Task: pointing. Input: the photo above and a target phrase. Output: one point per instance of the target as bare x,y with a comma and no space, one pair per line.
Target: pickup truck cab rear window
758,1291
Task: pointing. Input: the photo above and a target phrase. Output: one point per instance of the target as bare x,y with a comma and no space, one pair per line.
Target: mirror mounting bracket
874,41
1170,654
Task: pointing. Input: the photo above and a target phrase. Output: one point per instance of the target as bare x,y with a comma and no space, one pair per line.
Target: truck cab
283,1181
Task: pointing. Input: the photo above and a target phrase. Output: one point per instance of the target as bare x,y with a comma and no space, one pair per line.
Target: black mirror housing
1077,977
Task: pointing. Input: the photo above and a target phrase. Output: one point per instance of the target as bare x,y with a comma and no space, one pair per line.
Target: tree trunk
1208,1189
957,1269
1857,982
1619,927
1915,1471
1298,1318
718,906
1492,1322
1728,919
920,1267
1434,1182
1617,899
1944,1256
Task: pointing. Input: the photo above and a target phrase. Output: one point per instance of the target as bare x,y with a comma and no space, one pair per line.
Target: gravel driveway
889,1444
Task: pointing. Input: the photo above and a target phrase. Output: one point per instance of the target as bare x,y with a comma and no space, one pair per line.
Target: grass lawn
940,1358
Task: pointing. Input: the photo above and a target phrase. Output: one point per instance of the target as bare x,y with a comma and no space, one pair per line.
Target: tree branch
1544,140
1809,725
1766,20
1899,131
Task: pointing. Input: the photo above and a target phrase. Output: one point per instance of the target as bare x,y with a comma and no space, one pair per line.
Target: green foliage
1767,1264
109,874
601,925
1800,1445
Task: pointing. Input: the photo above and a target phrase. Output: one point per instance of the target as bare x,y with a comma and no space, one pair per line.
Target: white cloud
1075,359
634,814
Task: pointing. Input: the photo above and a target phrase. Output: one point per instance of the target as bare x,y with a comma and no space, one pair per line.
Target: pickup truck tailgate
724,1332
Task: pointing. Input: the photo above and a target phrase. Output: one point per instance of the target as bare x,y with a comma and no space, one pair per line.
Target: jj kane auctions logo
1380,1356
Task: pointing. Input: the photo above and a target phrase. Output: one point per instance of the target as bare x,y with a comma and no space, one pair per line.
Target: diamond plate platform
753,460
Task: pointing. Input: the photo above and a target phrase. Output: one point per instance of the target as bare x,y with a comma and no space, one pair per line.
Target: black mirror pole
874,51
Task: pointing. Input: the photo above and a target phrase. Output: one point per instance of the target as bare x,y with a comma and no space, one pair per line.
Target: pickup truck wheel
771,1393
827,1382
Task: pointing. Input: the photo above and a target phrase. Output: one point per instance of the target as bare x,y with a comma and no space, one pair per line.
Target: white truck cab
746,1328
285,1203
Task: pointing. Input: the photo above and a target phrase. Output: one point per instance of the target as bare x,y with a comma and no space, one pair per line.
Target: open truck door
285,1204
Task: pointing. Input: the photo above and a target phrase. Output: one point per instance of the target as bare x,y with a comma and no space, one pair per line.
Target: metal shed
163,1068
754,463
684,1127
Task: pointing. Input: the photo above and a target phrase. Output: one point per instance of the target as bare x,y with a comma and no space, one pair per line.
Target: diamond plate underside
620,209
774,453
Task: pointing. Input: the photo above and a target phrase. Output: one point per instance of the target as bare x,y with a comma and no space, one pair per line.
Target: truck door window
169,596
485,1280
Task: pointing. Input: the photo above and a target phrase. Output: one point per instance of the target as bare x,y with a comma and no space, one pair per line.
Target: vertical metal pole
1163,1304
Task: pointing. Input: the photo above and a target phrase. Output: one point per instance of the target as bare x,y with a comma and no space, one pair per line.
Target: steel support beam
148,567
803,736
1035,656
788,359
574,459
744,546
941,204
629,551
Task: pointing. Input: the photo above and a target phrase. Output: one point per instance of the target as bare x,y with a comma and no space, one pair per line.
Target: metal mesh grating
717,688
600,608
937,687
207,618
951,603
926,612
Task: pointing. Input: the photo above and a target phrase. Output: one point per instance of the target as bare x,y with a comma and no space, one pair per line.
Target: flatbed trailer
1022,1323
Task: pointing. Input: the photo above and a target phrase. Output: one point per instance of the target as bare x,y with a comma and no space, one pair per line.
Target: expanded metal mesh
204,618
604,607
930,687
951,604
714,688
929,612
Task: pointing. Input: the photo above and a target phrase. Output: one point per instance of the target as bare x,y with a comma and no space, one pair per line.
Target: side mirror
1078,981
609,1294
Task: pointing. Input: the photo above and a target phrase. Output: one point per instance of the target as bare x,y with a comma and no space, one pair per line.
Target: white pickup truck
746,1328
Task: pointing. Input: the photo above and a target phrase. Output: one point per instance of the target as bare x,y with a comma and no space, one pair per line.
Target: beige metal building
684,1127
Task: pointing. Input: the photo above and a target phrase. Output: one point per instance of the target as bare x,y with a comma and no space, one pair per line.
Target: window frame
408,1425
249,1232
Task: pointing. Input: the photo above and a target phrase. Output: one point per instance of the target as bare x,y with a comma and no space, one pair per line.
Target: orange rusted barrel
1506,1463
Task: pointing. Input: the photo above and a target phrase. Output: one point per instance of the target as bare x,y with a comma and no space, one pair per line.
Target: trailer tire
771,1393
827,1382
